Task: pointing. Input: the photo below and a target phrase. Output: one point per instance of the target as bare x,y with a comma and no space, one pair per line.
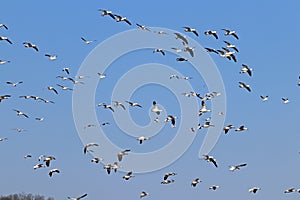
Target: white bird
2,62
210,159
53,171
237,167
214,187
155,108
51,57
87,41
2,97
203,108
211,50
101,76
64,87
189,29
66,69
48,159
230,32
19,113
77,198
104,105
264,98
142,139
4,26
53,89
19,130
207,124
246,69
117,103
143,27
107,167
123,153
211,32
172,119
40,119
181,59
285,100
89,145
96,160
133,104
241,128
174,76
166,182
290,190
115,166
128,176
2,139
144,194
229,45
107,12
160,51
195,182
227,128
27,156
244,85
37,166
188,49
167,175
176,49
30,45
6,39
254,189
14,84
122,19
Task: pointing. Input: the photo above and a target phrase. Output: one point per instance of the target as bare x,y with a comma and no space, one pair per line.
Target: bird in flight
122,19
51,57
227,128
123,153
53,89
264,98
2,97
14,84
167,175
6,39
155,108
2,62
195,182
133,104
189,29
214,187
30,45
254,190
48,159
19,113
160,51
143,27
183,38
87,41
144,194
213,33
244,85
229,45
172,119
246,69
64,87
89,145
210,159
117,103
77,198
104,105
53,171
107,12
4,26
211,50
237,167
230,32
166,182
128,176
142,139
285,100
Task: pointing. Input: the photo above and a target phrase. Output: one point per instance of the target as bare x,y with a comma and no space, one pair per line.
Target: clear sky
268,43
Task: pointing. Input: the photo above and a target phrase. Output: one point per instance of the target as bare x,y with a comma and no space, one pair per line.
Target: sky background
268,43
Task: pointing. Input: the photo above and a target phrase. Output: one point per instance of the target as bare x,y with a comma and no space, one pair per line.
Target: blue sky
268,43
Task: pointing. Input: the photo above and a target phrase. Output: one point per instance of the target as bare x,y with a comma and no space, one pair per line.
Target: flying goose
227,128
244,85
14,84
142,139
40,119
96,160
87,41
143,194
285,100
75,81
19,130
189,29
167,175
195,182
27,156
6,39
77,198
2,97
160,51
101,75
254,190
37,166
19,113
123,153
230,32
183,38
174,76
53,171
181,59
30,45
246,69
66,69
120,19
46,101
176,49
172,119
241,128
142,27
211,50
133,104
53,89
89,145
229,55
210,32
207,124
210,159
89,126
186,78
214,187
4,26
64,87
62,78
2,139
115,166
107,167
188,49
237,167
48,159
117,103
128,176
203,108
51,57
107,12
155,108
290,190
229,45
104,105
156,120
2,62
264,98
166,182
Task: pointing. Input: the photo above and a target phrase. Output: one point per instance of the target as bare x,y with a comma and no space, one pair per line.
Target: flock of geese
228,51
